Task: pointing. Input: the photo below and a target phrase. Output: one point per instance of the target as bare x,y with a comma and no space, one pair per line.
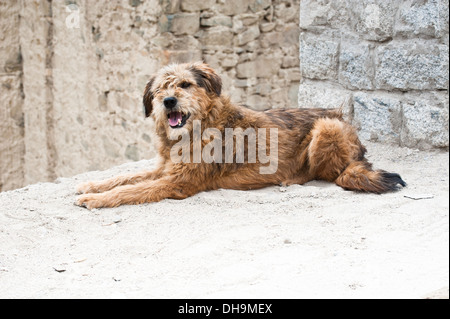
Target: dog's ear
207,78
148,98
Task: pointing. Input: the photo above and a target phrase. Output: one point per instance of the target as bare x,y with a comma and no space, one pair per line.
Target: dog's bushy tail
359,176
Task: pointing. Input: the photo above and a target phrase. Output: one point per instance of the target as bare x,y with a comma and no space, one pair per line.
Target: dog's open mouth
177,119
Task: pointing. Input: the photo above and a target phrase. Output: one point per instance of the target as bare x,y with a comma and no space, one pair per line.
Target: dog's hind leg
333,146
359,176
335,154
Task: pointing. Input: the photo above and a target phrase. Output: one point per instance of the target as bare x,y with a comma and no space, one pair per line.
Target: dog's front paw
90,201
87,188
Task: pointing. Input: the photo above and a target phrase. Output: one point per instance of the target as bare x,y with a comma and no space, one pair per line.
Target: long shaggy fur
312,144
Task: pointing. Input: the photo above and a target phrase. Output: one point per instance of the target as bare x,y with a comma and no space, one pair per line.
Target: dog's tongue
175,118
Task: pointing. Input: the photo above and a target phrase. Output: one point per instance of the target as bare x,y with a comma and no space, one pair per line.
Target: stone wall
73,72
253,44
12,148
388,59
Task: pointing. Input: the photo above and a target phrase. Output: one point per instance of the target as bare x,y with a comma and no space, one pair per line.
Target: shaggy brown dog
312,144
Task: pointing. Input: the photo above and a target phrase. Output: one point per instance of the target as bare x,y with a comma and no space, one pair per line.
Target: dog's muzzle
176,119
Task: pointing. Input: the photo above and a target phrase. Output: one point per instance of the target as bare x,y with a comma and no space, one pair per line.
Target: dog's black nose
170,102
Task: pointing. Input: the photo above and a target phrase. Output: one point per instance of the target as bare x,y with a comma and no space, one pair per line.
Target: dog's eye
185,85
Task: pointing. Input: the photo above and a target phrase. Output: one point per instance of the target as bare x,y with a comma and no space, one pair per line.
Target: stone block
271,39
290,62
187,42
267,27
213,60
241,83
412,66
444,18
319,13
291,75
356,69
217,36
425,123
421,18
196,5
279,96
183,56
217,21
324,95
260,5
185,23
234,7
252,46
373,20
260,68
319,57
230,61
248,35
262,89
257,102
313,13
284,12
248,18
378,118
170,6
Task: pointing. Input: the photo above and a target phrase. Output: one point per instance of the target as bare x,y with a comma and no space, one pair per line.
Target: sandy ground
313,241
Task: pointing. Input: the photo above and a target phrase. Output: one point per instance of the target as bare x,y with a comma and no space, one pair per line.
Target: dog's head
180,94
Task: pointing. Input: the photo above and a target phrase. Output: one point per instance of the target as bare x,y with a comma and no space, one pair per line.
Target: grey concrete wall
388,58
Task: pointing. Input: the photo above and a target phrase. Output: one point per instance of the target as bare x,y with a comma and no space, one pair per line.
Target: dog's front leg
106,185
144,192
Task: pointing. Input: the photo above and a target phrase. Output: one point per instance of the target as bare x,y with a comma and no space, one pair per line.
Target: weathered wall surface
73,73
12,148
389,59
